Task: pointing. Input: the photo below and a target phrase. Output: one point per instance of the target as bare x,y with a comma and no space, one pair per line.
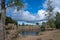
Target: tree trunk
2,25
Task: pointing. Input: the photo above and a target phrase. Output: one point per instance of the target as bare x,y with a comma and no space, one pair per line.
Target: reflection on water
29,33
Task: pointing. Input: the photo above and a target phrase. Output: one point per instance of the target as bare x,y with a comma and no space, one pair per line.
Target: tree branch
10,5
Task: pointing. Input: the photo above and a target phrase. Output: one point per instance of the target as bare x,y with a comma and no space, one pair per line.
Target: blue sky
33,11
30,13
33,5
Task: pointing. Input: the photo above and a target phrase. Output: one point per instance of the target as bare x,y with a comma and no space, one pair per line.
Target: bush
42,28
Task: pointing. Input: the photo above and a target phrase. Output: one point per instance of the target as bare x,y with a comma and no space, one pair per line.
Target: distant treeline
9,20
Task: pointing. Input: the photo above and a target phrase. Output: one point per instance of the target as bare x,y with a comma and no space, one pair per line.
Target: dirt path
47,35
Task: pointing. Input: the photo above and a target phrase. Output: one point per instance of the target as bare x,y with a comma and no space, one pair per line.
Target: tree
37,23
50,15
57,22
10,3
23,24
9,20
43,23
27,25
43,26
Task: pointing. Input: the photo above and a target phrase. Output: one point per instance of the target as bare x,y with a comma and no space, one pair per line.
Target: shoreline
42,37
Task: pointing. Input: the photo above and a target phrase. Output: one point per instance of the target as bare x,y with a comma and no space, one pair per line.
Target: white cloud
40,15
23,15
27,16
56,9
55,4
20,22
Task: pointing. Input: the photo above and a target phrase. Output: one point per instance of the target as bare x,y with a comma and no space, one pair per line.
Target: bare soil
47,35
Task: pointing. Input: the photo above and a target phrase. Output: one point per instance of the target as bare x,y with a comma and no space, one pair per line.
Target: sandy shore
47,35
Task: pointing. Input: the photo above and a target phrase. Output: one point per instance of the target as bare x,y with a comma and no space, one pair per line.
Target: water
29,33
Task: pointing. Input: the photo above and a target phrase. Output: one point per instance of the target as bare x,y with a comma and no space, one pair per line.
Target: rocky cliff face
11,32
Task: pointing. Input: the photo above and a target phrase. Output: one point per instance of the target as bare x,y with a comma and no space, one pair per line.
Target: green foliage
27,25
42,28
53,25
19,4
37,23
43,23
16,3
57,22
23,24
50,16
9,20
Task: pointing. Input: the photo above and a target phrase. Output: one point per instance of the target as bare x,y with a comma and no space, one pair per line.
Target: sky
33,5
33,11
